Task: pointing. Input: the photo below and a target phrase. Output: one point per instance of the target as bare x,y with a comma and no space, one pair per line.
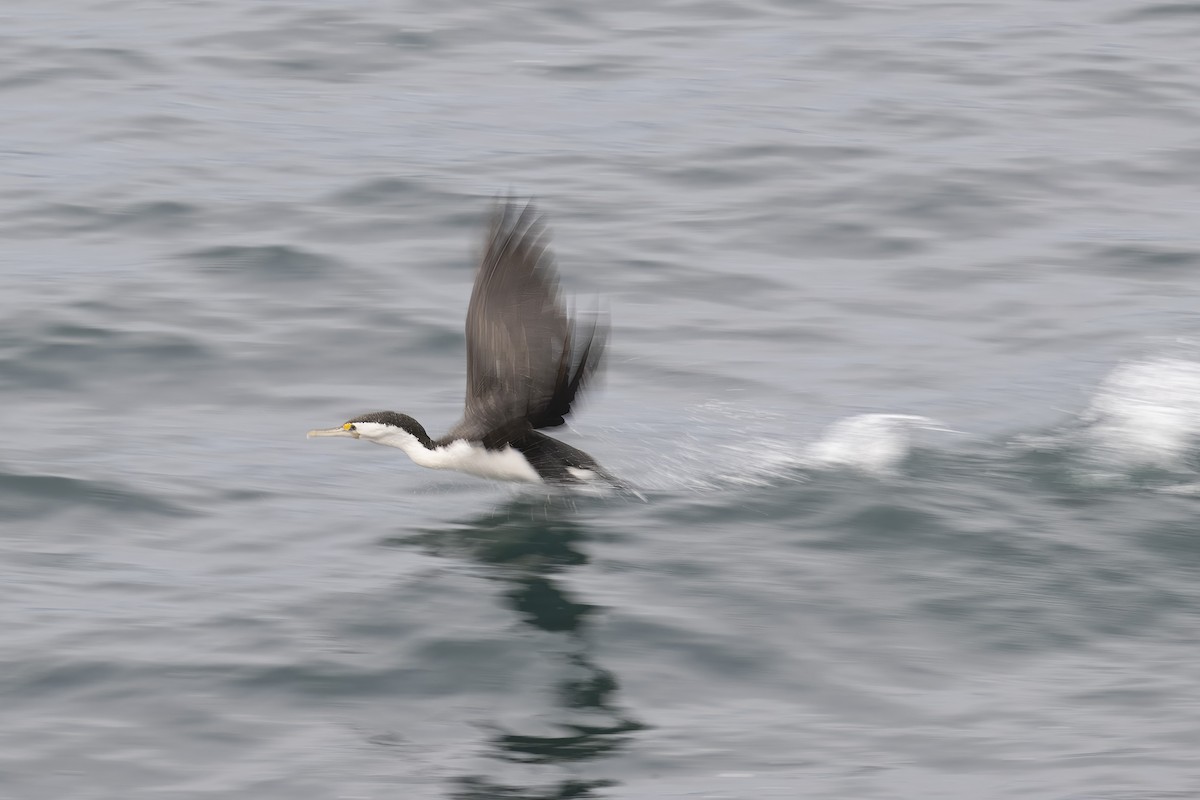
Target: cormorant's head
381,427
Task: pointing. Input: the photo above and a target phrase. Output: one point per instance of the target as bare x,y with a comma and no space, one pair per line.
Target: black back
550,458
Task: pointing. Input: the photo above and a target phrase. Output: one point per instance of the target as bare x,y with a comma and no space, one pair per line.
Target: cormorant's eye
349,426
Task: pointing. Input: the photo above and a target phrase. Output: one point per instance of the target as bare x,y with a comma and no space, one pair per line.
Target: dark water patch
264,262
949,206
1121,89
705,175
322,66
843,239
71,64
397,193
593,70
1092,93
154,127
412,39
1019,619
1021,180
1142,261
743,165
1072,475
33,679
35,376
70,332
451,668
427,338
958,209
917,120
572,17
161,216
1180,166
947,67
329,47
50,75
1164,12
1176,540
810,156
63,217
61,355
479,788
578,743
110,363
37,496
59,560
887,526
1013,581
136,61
247,495
973,276
286,25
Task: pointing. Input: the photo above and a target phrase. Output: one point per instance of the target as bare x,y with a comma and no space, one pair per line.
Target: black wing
525,366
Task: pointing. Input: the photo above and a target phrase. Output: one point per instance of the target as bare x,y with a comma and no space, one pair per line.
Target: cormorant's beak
342,431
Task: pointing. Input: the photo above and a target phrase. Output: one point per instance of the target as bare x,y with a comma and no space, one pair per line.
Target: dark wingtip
592,356
580,371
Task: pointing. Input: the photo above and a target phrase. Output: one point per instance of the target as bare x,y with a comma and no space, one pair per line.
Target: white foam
724,445
1146,413
874,443
1184,489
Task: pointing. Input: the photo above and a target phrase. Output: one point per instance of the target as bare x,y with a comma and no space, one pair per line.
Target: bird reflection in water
529,544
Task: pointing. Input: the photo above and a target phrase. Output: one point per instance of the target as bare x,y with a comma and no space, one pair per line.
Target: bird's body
524,371
475,459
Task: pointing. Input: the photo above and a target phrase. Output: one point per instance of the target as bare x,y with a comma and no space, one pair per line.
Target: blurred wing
522,369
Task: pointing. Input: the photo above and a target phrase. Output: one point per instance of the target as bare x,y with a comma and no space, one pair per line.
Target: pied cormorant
525,368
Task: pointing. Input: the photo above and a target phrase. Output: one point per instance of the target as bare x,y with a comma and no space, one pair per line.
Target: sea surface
905,358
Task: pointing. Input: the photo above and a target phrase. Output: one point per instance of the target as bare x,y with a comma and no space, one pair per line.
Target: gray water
905,357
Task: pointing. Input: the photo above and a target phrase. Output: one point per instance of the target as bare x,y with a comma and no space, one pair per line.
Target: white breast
474,459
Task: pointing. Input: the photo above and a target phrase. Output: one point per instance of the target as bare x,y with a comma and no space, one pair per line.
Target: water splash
723,445
872,443
1146,414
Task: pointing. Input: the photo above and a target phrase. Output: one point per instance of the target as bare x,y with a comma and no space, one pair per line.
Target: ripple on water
1145,261
265,262
59,355
159,217
24,496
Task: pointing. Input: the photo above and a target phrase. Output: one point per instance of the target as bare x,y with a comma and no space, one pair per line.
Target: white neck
393,437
